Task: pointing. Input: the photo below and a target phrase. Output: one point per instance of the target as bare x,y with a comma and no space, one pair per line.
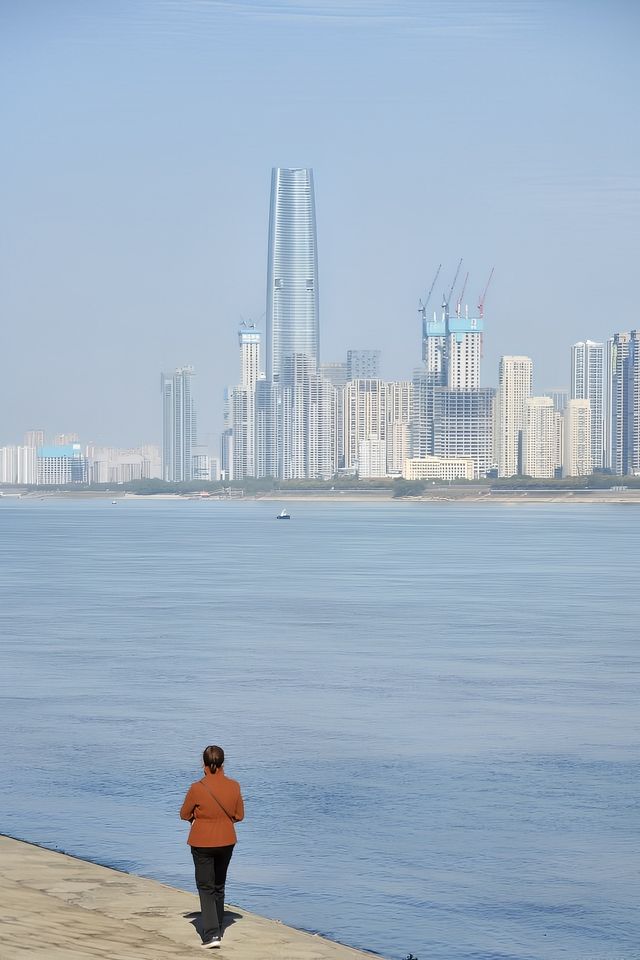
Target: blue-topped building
60,465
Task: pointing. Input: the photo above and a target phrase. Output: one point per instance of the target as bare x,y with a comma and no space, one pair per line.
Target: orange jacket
210,825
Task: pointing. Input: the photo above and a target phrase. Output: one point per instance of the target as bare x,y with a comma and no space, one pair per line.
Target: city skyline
136,209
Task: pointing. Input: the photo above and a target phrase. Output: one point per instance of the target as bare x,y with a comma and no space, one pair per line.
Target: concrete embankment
57,907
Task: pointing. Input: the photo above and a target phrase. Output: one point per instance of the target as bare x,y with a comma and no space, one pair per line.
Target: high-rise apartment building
540,438
249,341
577,434
363,364
616,432
241,400
463,347
633,404
335,372
178,425
588,364
514,389
365,416
292,273
399,407
305,428
34,438
18,465
623,395
372,459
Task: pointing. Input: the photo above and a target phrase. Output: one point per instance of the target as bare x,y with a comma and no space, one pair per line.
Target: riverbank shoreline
60,907
440,496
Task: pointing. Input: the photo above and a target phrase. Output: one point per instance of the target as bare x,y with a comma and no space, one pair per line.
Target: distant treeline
398,487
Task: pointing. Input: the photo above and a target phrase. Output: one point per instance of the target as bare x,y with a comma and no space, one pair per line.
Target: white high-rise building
618,348
365,416
304,435
399,406
372,459
576,458
18,465
464,352
588,367
249,341
178,425
623,395
540,438
34,438
242,403
514,389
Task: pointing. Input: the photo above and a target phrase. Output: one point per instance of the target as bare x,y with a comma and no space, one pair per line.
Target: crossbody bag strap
213,796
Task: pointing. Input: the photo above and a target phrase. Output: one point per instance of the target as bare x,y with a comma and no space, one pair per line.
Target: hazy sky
139,137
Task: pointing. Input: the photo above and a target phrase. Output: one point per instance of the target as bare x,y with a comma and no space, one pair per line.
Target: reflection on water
432,710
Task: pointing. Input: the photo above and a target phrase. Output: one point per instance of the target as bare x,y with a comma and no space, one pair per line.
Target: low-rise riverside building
438,468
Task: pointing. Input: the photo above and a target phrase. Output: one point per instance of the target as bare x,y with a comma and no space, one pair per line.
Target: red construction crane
484,293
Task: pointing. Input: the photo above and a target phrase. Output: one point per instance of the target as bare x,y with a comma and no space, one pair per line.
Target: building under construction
452,415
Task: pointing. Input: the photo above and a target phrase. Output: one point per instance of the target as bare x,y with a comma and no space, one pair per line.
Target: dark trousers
211,865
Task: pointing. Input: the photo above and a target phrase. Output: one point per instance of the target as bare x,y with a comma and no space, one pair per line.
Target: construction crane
447,299
464,287
422,304
484,294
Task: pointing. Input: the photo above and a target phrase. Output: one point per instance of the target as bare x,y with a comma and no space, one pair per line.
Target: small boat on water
283,515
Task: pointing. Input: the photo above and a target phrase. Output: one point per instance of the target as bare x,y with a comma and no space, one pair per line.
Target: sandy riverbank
57,907
460,496
287,497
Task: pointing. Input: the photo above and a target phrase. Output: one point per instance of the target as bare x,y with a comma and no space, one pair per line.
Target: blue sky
140,136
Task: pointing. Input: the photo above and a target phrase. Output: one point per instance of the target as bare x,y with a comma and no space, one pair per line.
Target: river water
433,710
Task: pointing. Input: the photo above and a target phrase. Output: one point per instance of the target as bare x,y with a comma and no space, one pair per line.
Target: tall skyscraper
292,274
623,390
616,454
514,389
633,404
588,383
178,425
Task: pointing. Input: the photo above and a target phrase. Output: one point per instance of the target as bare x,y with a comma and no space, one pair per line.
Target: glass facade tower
292,271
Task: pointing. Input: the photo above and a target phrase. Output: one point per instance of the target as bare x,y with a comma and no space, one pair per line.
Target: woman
212,806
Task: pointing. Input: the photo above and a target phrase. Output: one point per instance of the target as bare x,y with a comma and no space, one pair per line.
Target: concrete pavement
57,907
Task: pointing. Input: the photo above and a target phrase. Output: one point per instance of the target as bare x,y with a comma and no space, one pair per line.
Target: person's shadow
230,917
